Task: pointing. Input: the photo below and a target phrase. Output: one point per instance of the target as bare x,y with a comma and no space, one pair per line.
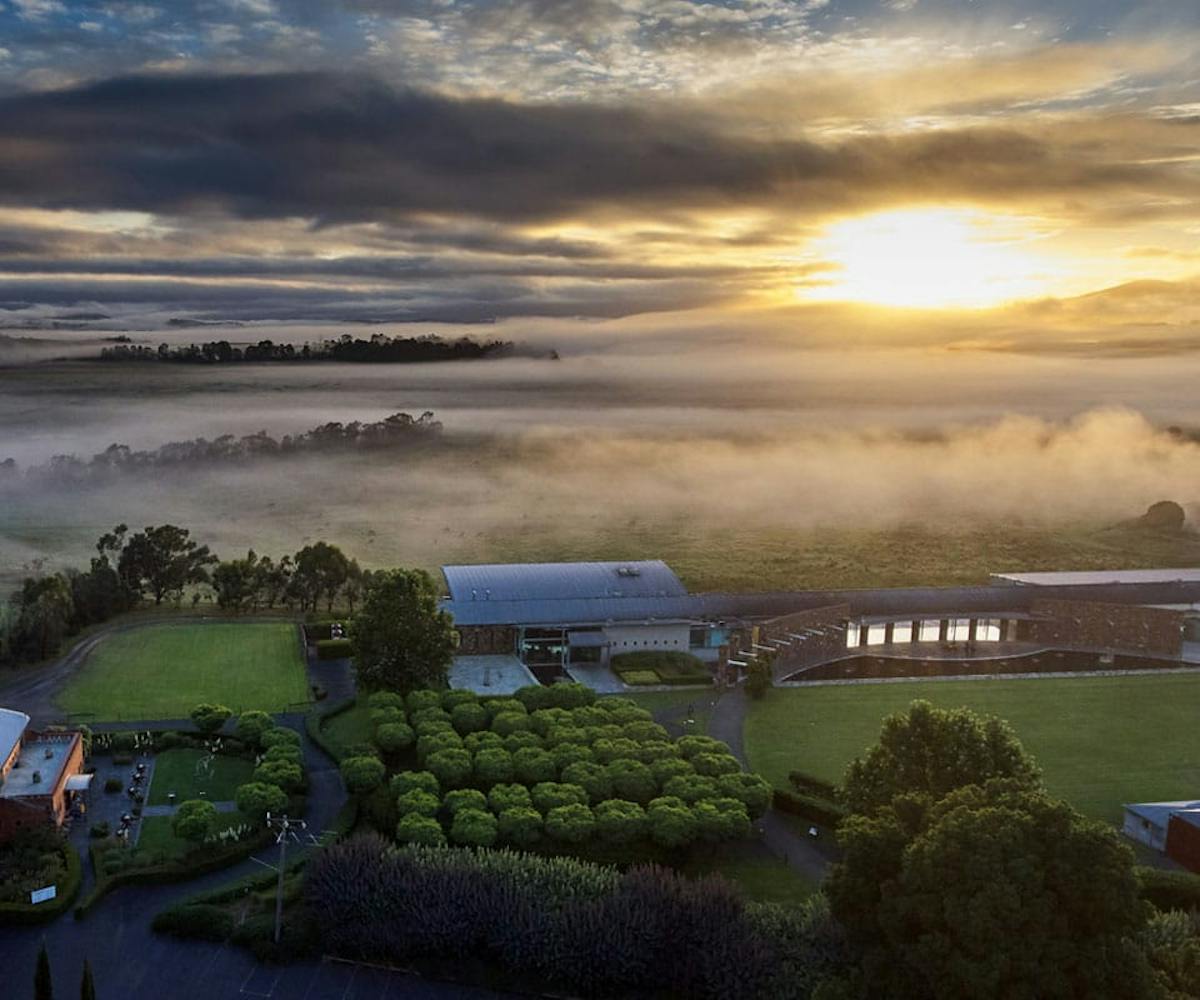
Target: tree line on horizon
161,563
399,430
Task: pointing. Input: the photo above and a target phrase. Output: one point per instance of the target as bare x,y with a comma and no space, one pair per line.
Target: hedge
39,913
334,649
810,807
1169,890
205,921
809,785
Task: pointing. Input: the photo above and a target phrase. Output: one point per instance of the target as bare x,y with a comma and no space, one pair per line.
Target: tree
591,777
288,775
934,751
671,822
520,825
43,612
257,798
469,717
551,794
209,718
721,819
392,737
252,725
532,765
43,987
406,781
87,988
692,788
633,780
163,560
464,798
236,583
713,765
752,791
996,890
758,676
503,797
402,639
362,774
320,572
194,820
418,801
415,828
493,767
452,768
620,822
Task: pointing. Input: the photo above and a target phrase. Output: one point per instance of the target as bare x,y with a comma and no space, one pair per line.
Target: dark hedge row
585,928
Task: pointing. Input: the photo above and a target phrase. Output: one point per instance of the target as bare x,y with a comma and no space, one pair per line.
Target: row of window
926,630
648,642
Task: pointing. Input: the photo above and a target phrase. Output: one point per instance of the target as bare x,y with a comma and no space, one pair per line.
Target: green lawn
670,707
760,875
163,671
350,727
1101,741
156,834
179,771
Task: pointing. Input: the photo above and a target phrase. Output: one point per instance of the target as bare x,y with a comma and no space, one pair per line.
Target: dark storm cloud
344,148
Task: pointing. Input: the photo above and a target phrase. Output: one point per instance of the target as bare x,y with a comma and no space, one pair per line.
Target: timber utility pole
284,830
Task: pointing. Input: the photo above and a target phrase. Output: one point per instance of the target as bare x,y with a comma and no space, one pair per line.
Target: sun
929,258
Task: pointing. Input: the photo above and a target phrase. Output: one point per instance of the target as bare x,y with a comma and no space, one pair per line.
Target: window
931,630
852,635
876,635
960,630
988,630
698,638
902,632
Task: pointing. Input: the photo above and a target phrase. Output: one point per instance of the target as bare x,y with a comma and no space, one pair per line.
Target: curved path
727,723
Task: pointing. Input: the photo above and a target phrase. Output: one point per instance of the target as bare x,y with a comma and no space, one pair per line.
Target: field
178,771
1101,741
163,671
156,834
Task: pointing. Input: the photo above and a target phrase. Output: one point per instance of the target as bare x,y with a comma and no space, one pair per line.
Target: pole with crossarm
283,829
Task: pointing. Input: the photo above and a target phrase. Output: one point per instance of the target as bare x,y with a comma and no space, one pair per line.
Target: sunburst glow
930,258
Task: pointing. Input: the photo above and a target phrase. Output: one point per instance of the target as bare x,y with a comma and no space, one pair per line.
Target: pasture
163,671
1101,741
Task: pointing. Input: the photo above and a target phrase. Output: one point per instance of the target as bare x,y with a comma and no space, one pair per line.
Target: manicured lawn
351,726
760,875
163,671
1101,741
671,707
179,771
156,834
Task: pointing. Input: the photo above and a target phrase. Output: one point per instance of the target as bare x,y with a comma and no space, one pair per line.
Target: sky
979,175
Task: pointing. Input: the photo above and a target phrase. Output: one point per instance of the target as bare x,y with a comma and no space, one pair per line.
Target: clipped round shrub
632,780
469,717
534,697
392,737
644,731
450,700
419,700
209,718
474,828
566,734
690,746
385,699
361,774
532,765
506,723
417,828
749,789
570,695
520,826
668,767
607,751
251,726
670,822
496,706
464,798
571,824
622,710
620,822
257,798
692,788
551,794
452,768
382,716
283,751
716,764
486,740
721,819
284,773
589,715
591,777
546,719
653,750
520,739
566,754
417,801
608,731
503,797
406,781
434,713
194,820
432,743
278,737
431,727
493,767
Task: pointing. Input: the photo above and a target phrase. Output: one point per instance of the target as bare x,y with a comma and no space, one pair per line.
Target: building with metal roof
1098,577
562,581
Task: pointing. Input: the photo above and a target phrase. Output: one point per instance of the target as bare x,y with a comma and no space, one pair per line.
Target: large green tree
933,751
162,561
996,890
402,639
321,570
43,615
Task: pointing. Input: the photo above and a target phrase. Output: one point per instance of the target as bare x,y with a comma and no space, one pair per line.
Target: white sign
41,895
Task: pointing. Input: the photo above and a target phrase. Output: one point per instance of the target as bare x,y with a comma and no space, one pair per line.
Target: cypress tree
87,989
43,989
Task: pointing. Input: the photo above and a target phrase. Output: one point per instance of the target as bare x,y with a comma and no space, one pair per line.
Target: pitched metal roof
1100,576
561,581
1160,813
12,726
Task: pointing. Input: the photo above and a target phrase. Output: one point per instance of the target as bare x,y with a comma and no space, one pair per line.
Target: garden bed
660,667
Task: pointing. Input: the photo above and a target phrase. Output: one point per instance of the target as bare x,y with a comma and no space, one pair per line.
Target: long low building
562,614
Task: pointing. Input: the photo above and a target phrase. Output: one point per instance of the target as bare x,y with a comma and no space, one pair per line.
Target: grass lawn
164,671
670,707
761,876
351,726
176,771
156,834
1101,741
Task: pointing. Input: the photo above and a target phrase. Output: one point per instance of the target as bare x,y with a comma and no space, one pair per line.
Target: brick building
41,774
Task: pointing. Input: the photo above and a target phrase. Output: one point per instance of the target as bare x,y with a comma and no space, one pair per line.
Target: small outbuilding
1171,828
